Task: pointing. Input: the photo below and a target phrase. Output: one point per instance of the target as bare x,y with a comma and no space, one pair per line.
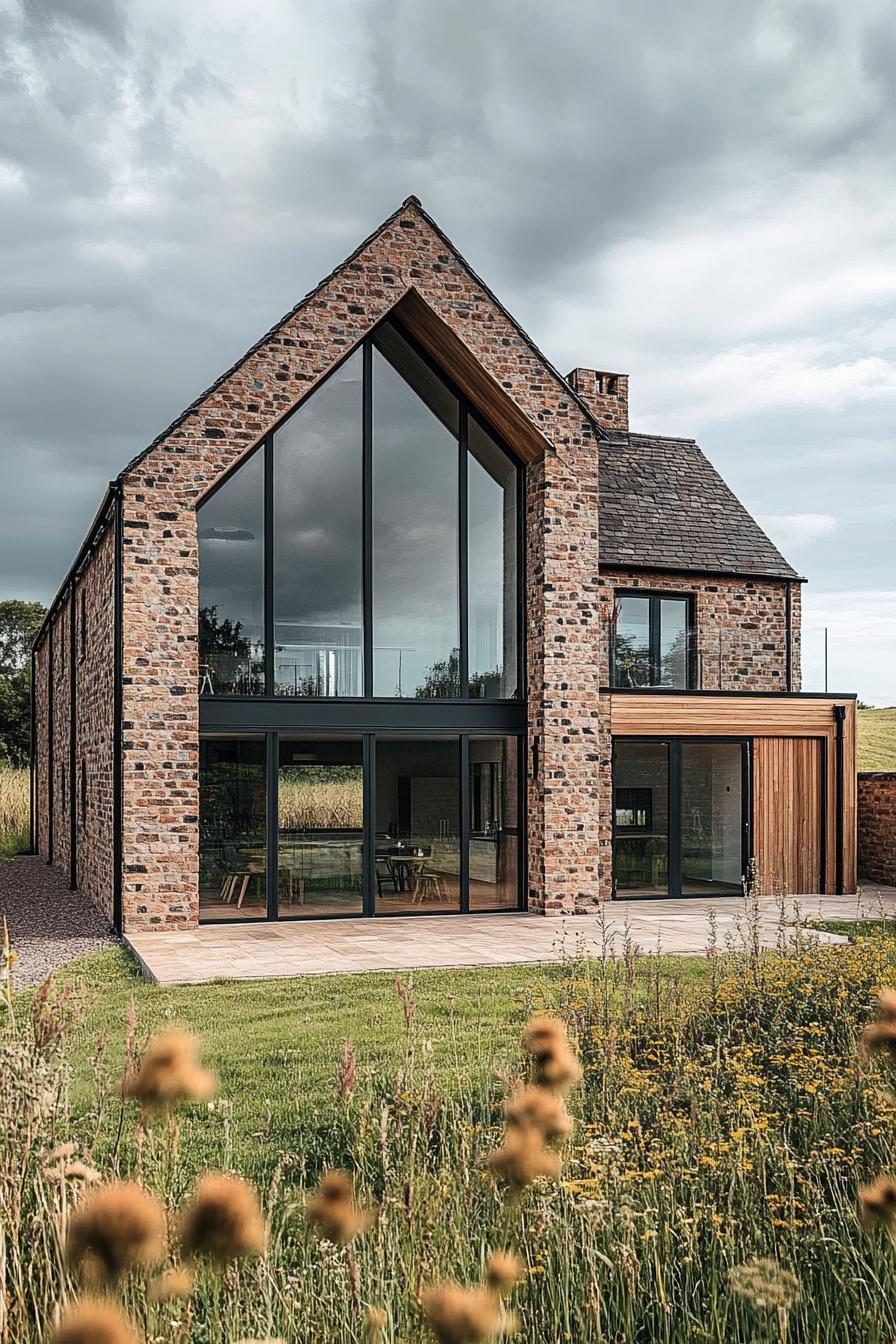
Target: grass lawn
858,928
876,748
276,1044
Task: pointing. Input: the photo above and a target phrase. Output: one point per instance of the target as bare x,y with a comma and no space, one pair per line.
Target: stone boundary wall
877,826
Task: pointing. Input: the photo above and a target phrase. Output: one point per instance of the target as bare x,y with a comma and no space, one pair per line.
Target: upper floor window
368,547
652,641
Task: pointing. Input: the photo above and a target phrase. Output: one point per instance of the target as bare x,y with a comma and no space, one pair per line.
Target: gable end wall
160,575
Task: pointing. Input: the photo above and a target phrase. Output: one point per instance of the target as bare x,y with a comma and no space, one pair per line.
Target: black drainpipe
51,763
117,700
72,744
32,822
839,717
788,618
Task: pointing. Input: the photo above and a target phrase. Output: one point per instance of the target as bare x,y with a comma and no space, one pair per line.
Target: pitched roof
664,505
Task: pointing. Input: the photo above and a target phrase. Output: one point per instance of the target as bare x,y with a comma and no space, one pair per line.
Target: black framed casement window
653,641
369,548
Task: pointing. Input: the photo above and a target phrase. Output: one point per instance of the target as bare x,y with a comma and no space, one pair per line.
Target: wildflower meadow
656,1156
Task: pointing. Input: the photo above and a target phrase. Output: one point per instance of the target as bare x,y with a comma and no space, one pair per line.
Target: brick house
396,619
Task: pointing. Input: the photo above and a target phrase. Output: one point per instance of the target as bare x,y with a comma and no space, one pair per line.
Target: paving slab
352,946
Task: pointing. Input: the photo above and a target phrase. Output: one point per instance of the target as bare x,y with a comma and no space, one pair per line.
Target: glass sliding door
641,819
494,823
680,820
320,827
232,828
711,818
417,824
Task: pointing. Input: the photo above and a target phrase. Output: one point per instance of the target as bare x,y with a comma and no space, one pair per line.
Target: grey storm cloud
699,193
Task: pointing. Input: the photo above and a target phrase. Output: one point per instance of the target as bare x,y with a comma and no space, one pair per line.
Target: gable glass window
231,584
318,548
368,548
652,641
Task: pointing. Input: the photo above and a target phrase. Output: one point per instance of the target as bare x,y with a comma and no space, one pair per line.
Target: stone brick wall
61,722
877,827
161,710
741,626
95,727
94,735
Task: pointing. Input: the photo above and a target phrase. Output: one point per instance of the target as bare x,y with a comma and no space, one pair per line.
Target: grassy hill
877,739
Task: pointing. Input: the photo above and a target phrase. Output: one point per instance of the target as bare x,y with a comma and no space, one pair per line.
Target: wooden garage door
787,813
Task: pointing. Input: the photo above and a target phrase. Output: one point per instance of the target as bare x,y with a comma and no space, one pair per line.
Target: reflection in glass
415,526
492,554
674,642
417,824
641,821
231,584
631,645
232,810
320,822
711,817
494,823
318,531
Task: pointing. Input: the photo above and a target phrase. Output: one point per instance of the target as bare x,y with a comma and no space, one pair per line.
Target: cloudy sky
698,193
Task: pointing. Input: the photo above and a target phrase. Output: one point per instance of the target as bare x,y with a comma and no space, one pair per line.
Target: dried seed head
534,1108
503,1272
461,1315
555,1065
222,1220
114,1228
766,1285
879,1037
173,1283
375,1325
522,1158
169,1072
877,1203
90,1322
331,1210
886,1005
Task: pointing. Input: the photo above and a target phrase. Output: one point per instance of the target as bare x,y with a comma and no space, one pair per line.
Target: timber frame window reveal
370,548
653,641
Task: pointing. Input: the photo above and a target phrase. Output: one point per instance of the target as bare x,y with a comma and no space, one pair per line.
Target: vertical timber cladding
792,808
407,261
788,813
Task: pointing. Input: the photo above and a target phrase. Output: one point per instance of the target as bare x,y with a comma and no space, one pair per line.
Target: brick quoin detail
877,827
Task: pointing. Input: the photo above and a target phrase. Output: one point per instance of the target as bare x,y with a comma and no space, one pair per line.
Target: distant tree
442,680
19,624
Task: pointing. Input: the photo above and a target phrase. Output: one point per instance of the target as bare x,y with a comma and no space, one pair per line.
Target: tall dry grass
320,804
709,1190
14,810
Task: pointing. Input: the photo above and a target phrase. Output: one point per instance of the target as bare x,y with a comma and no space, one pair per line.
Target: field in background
877,739
14,807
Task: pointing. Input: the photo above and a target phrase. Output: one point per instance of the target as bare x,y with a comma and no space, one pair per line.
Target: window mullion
463,613
654,625
367,505
268,451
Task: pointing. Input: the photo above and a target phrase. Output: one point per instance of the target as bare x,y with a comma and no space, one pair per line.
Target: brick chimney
605,393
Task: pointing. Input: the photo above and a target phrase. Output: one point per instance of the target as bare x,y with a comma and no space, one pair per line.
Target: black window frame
465,410
654,599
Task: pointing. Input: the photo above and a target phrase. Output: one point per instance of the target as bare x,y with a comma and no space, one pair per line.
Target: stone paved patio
325,947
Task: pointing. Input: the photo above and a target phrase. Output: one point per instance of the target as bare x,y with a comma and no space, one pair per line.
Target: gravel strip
48,924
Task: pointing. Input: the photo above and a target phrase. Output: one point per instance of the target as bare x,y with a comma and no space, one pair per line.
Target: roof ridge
409,203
